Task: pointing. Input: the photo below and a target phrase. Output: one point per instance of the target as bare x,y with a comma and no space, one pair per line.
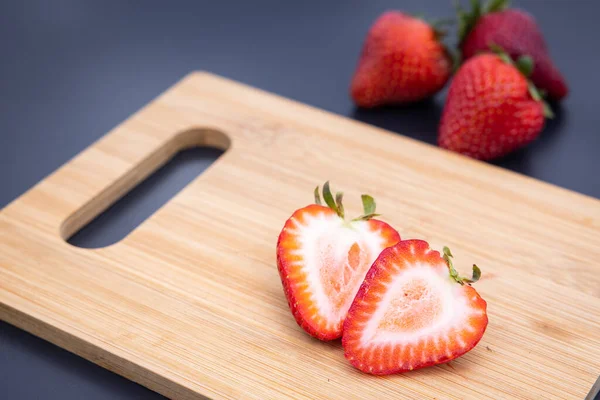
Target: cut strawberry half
412,311
322,260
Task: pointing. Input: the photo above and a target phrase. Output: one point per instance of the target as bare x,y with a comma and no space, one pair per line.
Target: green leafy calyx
454,274
336,204
525,65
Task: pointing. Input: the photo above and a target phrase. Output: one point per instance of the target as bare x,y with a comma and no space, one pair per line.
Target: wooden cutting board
190,304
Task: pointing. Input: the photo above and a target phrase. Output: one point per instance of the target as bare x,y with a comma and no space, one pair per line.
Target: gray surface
72,70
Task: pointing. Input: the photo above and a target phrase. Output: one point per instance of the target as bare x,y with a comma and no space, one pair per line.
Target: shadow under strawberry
418,120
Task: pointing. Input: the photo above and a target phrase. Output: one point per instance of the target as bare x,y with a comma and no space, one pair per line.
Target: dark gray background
72,70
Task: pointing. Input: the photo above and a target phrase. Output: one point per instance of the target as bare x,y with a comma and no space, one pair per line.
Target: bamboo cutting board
190,303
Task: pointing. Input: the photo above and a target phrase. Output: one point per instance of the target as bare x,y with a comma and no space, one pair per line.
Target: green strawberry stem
496,5
548,113
328,197
369,205
336,204
454,274
525,65
317,196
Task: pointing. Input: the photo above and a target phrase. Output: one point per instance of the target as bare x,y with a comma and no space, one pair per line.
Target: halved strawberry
322,260
412,311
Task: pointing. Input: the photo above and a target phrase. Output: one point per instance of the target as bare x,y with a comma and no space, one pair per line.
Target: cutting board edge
98,355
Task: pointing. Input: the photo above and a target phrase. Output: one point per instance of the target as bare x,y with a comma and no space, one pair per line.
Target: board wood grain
190,303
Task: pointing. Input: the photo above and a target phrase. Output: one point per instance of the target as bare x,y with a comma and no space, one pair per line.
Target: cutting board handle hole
119,209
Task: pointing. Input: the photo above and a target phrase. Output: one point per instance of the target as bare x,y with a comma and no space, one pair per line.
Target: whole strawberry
402,61
491,108
518,34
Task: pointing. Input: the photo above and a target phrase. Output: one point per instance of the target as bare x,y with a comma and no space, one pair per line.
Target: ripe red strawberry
322,260
412,311
518,34
491,108
402,61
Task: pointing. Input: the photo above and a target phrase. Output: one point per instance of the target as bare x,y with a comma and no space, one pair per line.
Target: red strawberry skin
489,111
464,330
402,61
518,34
296,283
